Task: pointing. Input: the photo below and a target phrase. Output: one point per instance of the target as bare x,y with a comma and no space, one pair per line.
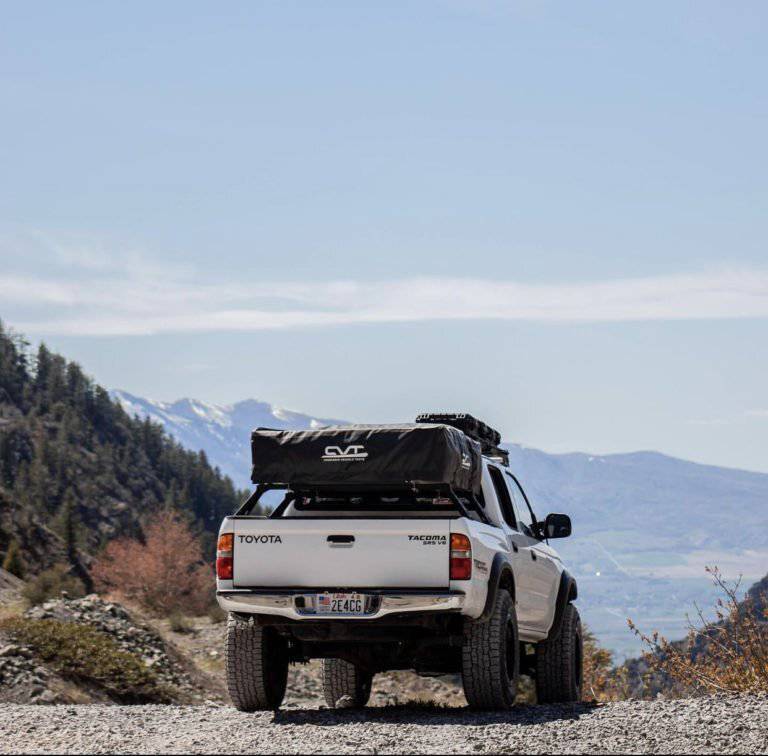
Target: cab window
502,494
522,510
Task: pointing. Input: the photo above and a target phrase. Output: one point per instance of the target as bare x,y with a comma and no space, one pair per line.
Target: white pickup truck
416,563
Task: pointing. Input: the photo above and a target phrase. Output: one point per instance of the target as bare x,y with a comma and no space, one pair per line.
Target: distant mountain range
645,524
222,431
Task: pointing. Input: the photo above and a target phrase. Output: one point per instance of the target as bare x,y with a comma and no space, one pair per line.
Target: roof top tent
439,453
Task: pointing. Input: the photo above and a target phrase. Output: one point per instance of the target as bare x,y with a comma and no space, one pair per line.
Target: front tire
257,665
491,657
559,662
345,685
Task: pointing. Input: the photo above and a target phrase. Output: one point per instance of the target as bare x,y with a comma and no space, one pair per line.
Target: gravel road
710,725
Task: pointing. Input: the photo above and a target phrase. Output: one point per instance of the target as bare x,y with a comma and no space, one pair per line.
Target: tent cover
367,456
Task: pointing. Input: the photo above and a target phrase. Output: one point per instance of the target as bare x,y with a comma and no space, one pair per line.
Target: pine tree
42,375
39,485
70,525
13,366
13,561
71,535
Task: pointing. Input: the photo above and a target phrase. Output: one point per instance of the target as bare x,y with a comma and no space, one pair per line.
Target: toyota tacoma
395,547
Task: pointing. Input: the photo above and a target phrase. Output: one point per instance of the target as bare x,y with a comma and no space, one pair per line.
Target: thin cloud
128,297
753,414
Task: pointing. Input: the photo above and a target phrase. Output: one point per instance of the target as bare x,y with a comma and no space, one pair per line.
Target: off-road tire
490,660
345,685
257,665
559,662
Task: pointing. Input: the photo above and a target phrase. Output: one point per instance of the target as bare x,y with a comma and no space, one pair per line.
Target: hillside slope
77,470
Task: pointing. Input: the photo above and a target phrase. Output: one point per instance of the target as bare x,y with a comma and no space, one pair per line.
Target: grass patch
84,654
180,624
50,583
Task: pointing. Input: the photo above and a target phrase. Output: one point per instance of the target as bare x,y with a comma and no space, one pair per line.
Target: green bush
50,584
13,562
82,653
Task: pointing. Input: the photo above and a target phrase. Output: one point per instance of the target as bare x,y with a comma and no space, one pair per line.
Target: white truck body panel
384,553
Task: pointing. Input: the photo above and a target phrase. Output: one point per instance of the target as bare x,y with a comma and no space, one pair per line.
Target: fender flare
501,574
567,592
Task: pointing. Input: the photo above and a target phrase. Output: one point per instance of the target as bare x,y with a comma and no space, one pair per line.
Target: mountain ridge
132,402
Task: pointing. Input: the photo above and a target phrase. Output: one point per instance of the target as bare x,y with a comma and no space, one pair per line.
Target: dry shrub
726,655
180,624
216,614
601,680
164,574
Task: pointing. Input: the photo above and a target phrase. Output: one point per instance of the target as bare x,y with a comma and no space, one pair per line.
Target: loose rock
624,727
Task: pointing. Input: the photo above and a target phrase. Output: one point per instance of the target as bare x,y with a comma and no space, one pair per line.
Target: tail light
461,557
224,556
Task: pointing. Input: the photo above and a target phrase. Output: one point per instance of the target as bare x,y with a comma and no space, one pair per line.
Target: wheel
490,659
345,685
257,664
559,662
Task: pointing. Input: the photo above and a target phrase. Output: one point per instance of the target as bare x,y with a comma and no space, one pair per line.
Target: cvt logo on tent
353,453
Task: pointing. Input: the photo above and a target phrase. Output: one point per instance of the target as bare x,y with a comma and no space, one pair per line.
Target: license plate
340,603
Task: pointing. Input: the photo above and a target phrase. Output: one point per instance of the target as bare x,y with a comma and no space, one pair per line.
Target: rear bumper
297,604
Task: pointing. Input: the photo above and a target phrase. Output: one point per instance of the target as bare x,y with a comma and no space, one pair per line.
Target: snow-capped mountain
645,524
222,431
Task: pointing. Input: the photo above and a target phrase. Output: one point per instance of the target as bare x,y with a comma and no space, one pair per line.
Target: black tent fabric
368,456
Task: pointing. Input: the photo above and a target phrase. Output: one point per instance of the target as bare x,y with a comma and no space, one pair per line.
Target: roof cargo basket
488,438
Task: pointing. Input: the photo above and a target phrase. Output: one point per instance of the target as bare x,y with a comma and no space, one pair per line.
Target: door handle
515,547
340,541
533,555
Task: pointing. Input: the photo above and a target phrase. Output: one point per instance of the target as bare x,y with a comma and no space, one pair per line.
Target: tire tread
485,686
555,663
342,679
256,665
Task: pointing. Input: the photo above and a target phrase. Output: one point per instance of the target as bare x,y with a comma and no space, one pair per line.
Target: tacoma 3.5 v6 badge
406,546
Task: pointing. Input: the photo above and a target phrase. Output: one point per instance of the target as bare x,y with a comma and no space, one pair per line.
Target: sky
551,215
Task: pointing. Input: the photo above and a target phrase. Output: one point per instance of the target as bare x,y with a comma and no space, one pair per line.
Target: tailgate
315,553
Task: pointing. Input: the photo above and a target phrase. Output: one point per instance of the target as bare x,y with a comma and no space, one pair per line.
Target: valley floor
705,725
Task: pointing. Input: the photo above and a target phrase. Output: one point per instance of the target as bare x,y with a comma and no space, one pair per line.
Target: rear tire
257,665
559,662
491,657
345,685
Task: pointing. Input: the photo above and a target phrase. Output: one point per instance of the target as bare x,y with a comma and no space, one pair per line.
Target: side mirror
557,526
